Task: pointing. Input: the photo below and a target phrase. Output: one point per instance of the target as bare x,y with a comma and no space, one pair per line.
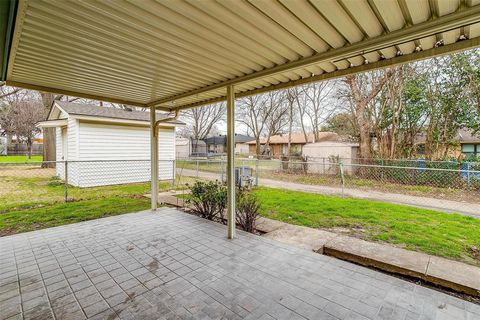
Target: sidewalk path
449,206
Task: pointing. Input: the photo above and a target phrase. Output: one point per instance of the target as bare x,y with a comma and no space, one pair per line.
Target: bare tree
316,107
363,89
278,119
291,99
20,118
202,120
264,115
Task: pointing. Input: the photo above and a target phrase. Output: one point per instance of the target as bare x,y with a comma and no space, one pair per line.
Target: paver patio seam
133,257
19,286
44,286
69,285
102,267
428,265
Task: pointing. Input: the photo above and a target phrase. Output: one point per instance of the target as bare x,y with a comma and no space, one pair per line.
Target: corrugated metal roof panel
177,54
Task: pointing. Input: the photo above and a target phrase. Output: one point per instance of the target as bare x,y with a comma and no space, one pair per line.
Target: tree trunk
29,148
49,152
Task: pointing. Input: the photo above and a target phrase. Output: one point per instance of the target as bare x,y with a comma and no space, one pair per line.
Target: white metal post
154,158
230,162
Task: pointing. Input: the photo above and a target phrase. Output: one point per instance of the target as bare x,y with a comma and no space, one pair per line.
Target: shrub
208,199
246,209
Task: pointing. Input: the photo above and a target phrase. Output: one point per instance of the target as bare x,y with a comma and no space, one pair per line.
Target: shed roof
323,144
222,139
180,54
81,109
299,138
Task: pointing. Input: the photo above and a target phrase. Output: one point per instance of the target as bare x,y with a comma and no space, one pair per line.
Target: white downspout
154,153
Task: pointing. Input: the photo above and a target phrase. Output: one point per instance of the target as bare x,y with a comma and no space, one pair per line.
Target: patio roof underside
180,54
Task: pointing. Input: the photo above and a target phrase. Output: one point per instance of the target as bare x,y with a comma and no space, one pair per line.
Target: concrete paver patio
171,265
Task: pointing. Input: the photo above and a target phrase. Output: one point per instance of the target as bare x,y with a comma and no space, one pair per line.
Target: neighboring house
467,144
186,148
278,144
105,141
323,156
218,144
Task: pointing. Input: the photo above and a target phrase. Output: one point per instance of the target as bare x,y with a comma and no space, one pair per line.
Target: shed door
64,144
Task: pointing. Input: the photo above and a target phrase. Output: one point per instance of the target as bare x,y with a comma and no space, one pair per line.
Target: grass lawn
452,236
18,159
64,213
29,203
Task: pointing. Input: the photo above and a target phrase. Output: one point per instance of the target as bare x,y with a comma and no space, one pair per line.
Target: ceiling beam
74,94
422,55
452,21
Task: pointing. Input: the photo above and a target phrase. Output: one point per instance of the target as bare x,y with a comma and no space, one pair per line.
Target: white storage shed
106,146
318,155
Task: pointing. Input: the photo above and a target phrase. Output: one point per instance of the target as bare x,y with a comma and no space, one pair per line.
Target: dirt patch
355,231
475,252
7,232
153,265
26,172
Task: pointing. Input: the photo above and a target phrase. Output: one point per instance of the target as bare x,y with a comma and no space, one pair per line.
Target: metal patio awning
178,54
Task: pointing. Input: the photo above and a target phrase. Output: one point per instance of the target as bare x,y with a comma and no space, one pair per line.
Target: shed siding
58,151
72,136
130,145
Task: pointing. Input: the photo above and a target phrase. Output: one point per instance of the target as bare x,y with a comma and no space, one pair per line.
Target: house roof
177,54
299,138
463,135
467,136
90,110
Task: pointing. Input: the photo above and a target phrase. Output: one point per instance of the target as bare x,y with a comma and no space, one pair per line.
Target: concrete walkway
442,272
172,265
449,206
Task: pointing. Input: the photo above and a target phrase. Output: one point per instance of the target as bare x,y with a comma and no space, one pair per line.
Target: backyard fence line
73,179
280,162
69,180
459,185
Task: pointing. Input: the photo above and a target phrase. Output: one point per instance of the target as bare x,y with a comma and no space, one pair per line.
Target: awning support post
153,158
230,162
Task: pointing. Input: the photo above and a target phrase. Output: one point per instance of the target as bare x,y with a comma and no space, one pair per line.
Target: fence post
66,179
197,167
342,177
468,173
221,169
174,171
256,172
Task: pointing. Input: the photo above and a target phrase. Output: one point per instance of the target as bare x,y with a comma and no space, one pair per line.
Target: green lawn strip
20,159
24,193
448,235
65,213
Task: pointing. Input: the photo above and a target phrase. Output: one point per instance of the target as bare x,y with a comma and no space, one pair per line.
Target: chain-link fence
440,185
36,184
39,184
